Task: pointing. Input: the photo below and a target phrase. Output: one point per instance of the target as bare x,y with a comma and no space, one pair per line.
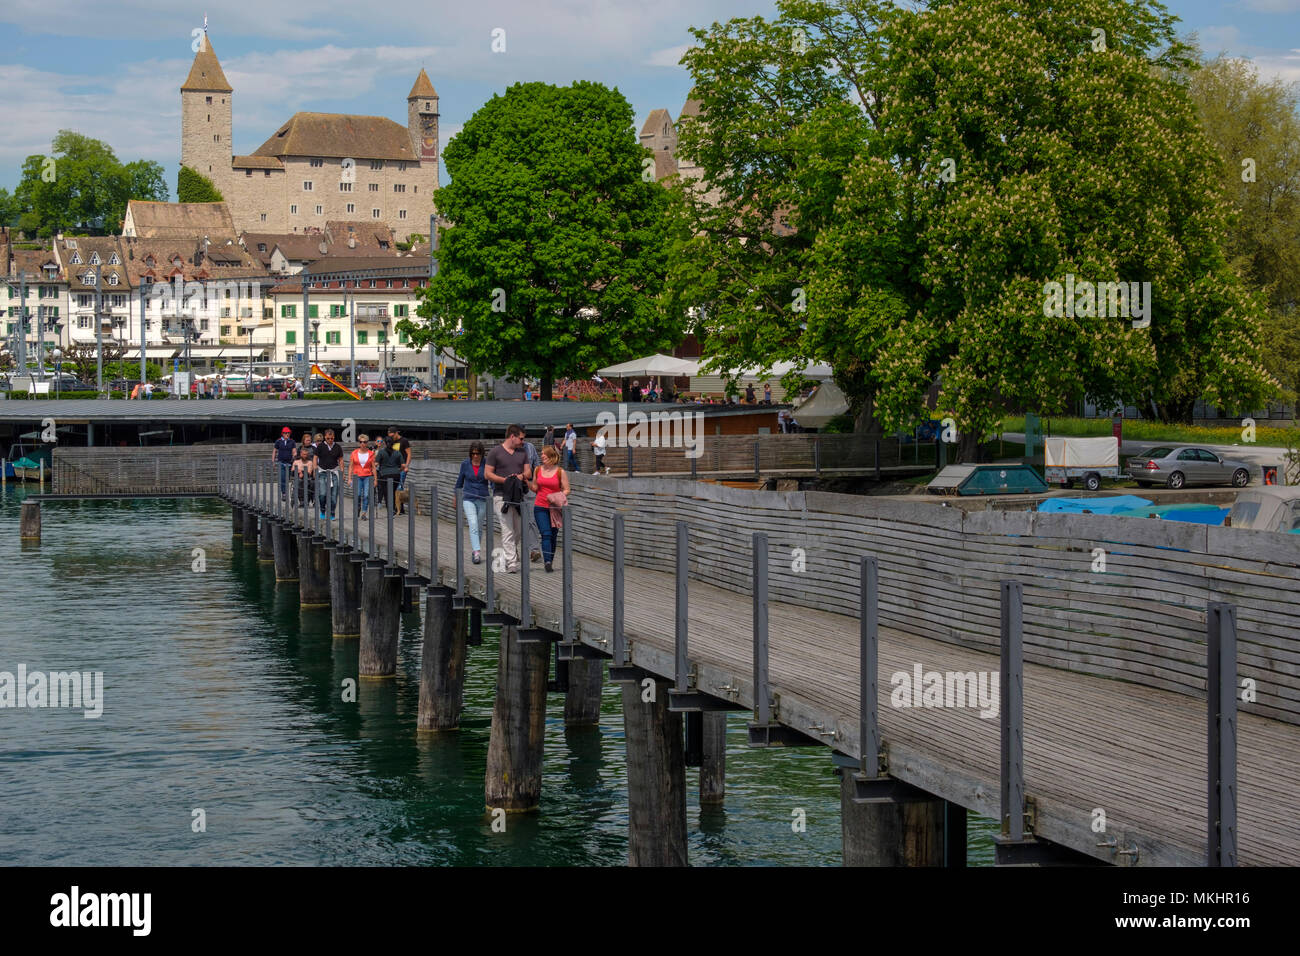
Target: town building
317,167
33,277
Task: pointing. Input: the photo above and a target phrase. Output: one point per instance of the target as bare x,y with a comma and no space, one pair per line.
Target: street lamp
249,327
315,338
58,365
383,352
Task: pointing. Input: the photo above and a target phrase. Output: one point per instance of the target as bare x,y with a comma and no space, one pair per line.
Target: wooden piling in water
381,607
29,521
582,701
250,528
285,548
345,594
907,832
514,765
713,766
656,779
266,543
442,666
236,521
313,578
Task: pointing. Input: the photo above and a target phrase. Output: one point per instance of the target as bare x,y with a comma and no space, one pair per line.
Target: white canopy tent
826,403
716,383
652,366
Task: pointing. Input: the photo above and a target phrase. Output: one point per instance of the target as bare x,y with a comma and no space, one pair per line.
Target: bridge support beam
285,547
514,765
656,777
313,574
442,668
890,831
713,762
381,611
266,543
582,702
345,594
236,520
29,521
250,528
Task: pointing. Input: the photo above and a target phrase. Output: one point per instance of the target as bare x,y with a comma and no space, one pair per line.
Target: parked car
1179,465
404,383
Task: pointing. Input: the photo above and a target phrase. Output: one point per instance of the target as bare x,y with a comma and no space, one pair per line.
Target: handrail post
758,468
817,455
1221,689
682,668
460,542
489,573
1011,709
762,690
434,577
868,667
525,571
372,547
410,531
567,572
630,451
620,638
392,506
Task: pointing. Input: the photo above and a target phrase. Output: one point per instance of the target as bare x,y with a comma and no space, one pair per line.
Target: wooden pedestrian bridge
1144,675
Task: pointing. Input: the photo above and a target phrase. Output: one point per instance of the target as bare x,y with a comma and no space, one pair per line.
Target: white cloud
1220,39
669,56
1272,6
1282,66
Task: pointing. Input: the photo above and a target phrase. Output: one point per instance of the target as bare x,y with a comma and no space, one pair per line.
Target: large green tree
557,253
1255,126
81,186
939,165
193,186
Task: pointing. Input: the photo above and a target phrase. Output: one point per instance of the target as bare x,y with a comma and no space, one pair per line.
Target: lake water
221,695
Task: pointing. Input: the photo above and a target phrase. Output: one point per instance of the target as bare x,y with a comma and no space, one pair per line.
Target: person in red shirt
549,480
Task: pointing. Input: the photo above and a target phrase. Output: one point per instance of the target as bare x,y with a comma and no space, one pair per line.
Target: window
216,138
415,189
352,207
76,259
320,210
248,172
83,321
373,187
117,302
382,337
333,338
88,278
317,163
293,210
399,187
312,311
383,243
314,338
374,214
400,311
268,312
288,312
306,185
402,337
261,247
203,325
263,217
401,167
225,331
376,164
345,187
290,338
209,101
363,338
336,311
225,312
113,260
266,173
85,301
401,214
94,258
112,279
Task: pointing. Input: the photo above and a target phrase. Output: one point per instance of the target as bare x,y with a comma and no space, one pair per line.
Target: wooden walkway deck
1091,743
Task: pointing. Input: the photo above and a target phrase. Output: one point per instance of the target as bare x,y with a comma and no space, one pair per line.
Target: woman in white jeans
473,479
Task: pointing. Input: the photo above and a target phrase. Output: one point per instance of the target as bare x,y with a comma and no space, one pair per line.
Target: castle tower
422,120
206,111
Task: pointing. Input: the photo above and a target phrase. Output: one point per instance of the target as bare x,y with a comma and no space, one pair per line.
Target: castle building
317,167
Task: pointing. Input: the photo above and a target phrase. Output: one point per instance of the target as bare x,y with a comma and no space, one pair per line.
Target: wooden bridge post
236,521
514,765
582,702
266,542
381,611
345,594
250,528
29,521
442,665
656,776
313,576
713,761
285,547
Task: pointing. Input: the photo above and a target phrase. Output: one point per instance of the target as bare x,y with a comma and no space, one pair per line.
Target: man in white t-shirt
598,449
570,448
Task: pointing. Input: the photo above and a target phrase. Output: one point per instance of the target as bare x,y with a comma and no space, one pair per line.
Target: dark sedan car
1179,465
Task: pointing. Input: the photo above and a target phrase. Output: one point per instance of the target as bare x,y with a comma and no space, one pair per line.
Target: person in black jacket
388,464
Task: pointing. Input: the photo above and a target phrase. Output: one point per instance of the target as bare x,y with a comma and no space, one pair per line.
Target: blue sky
112,70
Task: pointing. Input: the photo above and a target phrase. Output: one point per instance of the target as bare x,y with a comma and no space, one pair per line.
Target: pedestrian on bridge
283,455
304,475
473,479
328,456
361,465
550,481
570,448
508,472
388,462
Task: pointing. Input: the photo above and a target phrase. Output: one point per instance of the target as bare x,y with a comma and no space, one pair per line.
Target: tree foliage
938,165
556,254
1255,126
192,186
81,186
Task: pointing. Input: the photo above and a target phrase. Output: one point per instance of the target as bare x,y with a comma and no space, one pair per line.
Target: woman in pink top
362,466
549,479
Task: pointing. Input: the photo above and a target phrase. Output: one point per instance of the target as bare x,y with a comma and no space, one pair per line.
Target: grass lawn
1141,430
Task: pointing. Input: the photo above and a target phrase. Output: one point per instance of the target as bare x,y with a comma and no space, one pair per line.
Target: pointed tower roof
422,87
206,73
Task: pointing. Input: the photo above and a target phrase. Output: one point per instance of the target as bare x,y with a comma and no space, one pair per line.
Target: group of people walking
504,477
319,467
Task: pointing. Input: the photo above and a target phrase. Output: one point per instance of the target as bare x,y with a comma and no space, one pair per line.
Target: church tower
422,120
206,111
